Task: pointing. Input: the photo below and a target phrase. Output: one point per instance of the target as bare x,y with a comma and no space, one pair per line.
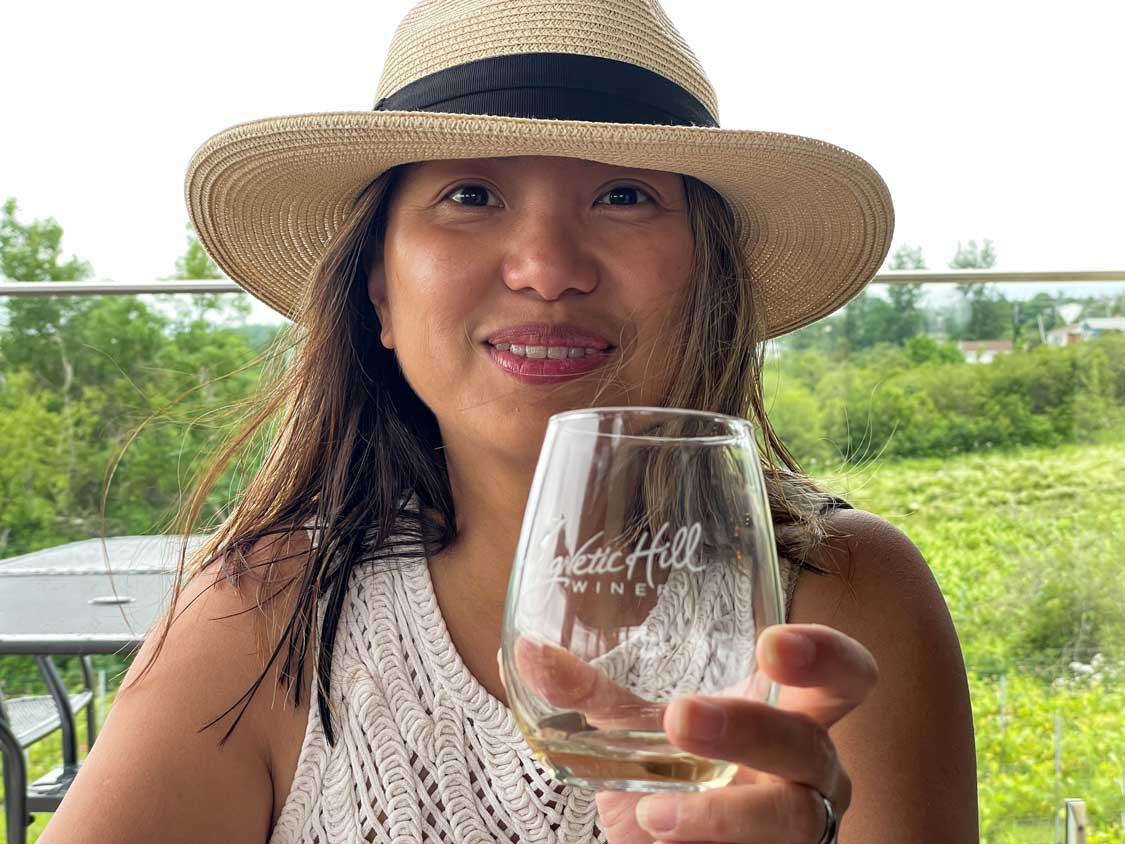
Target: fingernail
791,648
657,814
701,720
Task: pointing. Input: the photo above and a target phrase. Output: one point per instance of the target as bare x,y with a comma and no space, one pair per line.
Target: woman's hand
784,753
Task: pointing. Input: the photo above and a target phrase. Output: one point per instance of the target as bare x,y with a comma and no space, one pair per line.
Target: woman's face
515,288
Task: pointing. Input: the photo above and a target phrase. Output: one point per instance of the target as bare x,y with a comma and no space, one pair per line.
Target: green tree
990,313
1105,305
824,335
908,318
973,257
79,374
868,320
33,251
38,350
36,326
925,349
31,485
89,358
198,378
195,263
1039,312
907,257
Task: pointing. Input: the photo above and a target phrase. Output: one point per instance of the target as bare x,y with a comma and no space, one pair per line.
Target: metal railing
131,288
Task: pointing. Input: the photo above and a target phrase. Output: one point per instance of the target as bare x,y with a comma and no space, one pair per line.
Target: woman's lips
549,334
546,370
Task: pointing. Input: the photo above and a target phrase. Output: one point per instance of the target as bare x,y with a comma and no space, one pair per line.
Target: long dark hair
347,442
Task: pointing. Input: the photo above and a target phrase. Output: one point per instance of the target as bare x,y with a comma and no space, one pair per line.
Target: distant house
1088,328
983,351
1064,335
1096,326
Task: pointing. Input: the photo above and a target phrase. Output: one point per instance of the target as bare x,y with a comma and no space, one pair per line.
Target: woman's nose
546,256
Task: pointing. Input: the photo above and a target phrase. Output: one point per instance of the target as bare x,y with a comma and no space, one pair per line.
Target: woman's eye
477,196
474,196
626,195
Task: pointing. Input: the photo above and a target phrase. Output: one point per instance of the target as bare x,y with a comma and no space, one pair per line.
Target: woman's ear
377,293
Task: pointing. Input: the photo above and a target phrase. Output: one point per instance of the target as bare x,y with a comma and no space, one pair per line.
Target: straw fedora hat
606,80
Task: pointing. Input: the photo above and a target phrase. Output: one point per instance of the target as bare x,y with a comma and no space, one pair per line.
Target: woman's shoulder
873,582
880,591
863,548
255,595
171,734
269,591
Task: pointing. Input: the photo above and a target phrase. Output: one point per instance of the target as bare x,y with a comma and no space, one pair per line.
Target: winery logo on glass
597,567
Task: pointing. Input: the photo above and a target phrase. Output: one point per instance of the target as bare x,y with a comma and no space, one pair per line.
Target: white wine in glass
646,569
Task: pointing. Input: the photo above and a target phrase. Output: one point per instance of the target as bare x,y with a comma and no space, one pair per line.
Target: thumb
825,674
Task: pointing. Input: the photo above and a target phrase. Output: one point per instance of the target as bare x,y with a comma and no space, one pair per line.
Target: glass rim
733,436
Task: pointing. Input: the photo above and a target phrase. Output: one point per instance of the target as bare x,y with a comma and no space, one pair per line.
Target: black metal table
78,599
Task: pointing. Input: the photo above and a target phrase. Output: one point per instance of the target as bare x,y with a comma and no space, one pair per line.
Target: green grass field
1027,550
1026,547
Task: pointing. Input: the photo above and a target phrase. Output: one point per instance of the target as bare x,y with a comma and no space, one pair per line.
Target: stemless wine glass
645,570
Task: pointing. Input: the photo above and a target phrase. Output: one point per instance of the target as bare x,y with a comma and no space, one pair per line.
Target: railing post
1058,772
1075,821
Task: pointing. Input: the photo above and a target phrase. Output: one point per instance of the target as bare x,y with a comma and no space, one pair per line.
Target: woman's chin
515,437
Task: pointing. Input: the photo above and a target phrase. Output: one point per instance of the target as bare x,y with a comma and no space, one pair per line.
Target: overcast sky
986,119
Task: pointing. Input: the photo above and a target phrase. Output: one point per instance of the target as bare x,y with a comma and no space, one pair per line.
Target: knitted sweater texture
424,753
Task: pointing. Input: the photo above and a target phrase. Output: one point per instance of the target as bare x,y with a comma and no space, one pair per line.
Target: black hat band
553,86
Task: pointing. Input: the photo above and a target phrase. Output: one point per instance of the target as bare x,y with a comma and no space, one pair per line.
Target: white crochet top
424,753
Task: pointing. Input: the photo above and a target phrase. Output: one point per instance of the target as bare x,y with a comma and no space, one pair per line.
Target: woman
431,255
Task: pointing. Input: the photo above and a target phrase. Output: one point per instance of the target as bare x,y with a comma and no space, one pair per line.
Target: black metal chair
26,720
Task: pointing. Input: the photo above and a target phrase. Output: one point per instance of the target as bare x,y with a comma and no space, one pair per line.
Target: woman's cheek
659,346
436,352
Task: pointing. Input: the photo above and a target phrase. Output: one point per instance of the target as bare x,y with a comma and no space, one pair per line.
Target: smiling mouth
548,352
545,365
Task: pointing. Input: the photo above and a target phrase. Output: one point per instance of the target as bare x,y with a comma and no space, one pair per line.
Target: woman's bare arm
909,747
151,775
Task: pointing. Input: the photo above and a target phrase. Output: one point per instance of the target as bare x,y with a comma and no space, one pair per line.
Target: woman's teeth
551,352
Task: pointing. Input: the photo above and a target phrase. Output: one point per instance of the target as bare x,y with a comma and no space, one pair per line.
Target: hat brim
266,197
